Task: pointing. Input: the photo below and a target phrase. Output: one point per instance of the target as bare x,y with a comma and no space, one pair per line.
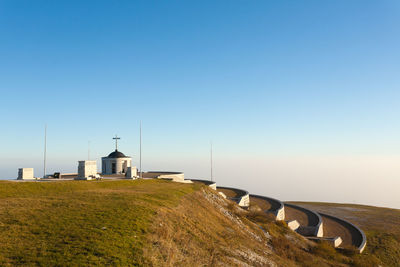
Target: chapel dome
116,154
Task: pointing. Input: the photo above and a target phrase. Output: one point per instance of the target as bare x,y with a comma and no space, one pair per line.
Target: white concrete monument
131,173
25,174
87,170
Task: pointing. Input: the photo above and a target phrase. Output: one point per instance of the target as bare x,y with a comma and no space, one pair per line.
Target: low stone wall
315,227
277,207
174,176
211,184
71,174
242,196
358,237
156,174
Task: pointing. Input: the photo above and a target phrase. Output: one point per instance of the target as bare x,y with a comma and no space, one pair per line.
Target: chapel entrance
113,168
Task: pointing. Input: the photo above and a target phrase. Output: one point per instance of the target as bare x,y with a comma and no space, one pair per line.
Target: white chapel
116,162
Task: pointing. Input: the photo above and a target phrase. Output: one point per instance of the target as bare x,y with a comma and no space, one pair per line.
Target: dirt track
262,203
295,214
228,192
333,228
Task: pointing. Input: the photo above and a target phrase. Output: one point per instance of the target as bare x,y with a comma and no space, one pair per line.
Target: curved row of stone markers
313,225
302,220
273,206
358,237
241,197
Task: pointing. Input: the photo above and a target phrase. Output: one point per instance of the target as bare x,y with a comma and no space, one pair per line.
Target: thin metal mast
211,160
88,151
140,152
45,150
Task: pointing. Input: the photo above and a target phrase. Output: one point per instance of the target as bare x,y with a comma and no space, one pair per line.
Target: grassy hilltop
78,222
148,223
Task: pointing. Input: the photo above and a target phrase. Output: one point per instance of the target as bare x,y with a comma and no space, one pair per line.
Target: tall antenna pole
211,160
88,151
140,152
45,150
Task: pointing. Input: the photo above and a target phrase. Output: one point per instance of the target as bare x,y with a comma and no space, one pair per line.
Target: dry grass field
228,192
78,222
148,223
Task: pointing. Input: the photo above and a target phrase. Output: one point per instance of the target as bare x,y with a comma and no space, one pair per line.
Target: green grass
161,223
80,222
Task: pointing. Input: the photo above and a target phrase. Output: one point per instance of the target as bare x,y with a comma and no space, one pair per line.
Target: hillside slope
145,223
381,225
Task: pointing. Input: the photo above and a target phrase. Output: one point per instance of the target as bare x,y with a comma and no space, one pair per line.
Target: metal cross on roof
116,138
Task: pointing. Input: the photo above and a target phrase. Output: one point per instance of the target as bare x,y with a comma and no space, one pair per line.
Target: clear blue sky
284,84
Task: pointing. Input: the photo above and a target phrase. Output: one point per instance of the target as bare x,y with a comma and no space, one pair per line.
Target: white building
25,174
87,170
115,163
